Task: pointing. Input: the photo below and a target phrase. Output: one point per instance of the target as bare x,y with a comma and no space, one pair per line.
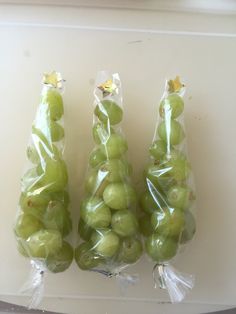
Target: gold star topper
108,88
175,86
53,79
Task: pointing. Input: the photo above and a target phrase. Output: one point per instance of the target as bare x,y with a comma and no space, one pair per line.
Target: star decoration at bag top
175,86
53,79
108,88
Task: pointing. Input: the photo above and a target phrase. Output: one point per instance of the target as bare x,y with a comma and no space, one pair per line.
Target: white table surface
145,47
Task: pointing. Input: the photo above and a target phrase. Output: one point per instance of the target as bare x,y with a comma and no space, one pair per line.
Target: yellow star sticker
175,85
54,79
108,87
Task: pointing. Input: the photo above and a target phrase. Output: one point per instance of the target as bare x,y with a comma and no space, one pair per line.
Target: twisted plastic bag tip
35,284
125,280
176,283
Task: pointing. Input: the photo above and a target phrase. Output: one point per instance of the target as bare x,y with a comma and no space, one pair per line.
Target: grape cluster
44,220
108,224
166,219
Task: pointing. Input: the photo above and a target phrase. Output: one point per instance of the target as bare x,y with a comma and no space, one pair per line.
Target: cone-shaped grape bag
108,226
167,220
43,221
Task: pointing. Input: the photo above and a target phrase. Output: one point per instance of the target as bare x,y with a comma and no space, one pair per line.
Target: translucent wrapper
167,221
43,220
108,225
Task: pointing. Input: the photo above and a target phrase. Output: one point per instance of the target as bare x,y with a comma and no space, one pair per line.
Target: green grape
130,251
29,180
40,169
95,183
26,225
179,196
172,106
179,168
124,223
101,132
172,133
152,173
58,218
32,155
22,248
42,152
145,225
61,196
34,204
158,149
44,243
189,229
108,110
56,131
106,242
84,230
176,154
114,170
148,204
161,249
47,132
96,158
86,258
54,176
119,195
91,182
159,176
61,260
168,222
115,146
52,98
39,136
95,213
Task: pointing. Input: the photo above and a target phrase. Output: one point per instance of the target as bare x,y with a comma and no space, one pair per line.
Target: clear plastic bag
43,220
108,225
167,220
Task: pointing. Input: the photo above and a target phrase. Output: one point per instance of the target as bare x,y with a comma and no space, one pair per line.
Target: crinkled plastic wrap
43,220
108,225
167,220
